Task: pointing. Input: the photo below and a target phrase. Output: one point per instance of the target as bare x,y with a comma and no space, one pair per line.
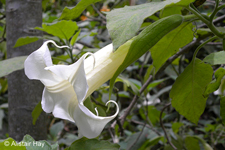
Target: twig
111,134
161,123
138,136
148,126
99,13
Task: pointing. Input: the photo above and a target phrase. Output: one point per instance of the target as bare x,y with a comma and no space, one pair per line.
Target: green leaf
222,109
92,144
153,114
129,20
62,29
56,129
11,144
191,143
74,12
36,112
146,40
31,144
170,11
74,38
187,91
176,126
170,44
13,64
216,58
214,85
26,40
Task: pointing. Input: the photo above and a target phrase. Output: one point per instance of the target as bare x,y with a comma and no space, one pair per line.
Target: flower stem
206,21
200,46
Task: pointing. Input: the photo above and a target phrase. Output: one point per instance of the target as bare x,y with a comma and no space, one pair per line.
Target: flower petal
90,125
36,62
75,74
61,103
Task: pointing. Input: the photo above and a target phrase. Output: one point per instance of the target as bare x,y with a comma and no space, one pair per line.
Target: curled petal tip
117,107
96,110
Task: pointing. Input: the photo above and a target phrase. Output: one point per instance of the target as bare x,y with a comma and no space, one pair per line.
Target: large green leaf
214,85
26,40
222,109
216,58
170,44
62,29
124,23
74,12
9,65
187,91
92,144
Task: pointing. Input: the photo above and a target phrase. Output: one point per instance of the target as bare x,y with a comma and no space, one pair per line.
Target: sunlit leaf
129,20
171,43
216,58
70,13
62,29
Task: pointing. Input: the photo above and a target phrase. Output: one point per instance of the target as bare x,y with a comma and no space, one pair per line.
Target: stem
161,123
200,46
214,11
206,21
189,17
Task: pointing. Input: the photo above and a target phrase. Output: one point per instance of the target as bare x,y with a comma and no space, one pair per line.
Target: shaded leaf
36,112
214,85
92,144
191,143
153,114
176,126
13,64
222,109
62,29
26,40
56,129
170,44
38,145
187,91
74,12
216,58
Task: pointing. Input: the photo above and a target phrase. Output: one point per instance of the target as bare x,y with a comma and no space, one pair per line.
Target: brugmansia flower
67,86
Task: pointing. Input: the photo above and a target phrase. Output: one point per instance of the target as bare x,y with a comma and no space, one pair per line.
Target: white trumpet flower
67,86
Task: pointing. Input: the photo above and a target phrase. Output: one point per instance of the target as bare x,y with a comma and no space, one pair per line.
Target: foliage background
141,129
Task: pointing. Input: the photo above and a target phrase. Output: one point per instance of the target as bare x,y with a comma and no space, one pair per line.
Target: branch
133,102
147,125
161,123
99,13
